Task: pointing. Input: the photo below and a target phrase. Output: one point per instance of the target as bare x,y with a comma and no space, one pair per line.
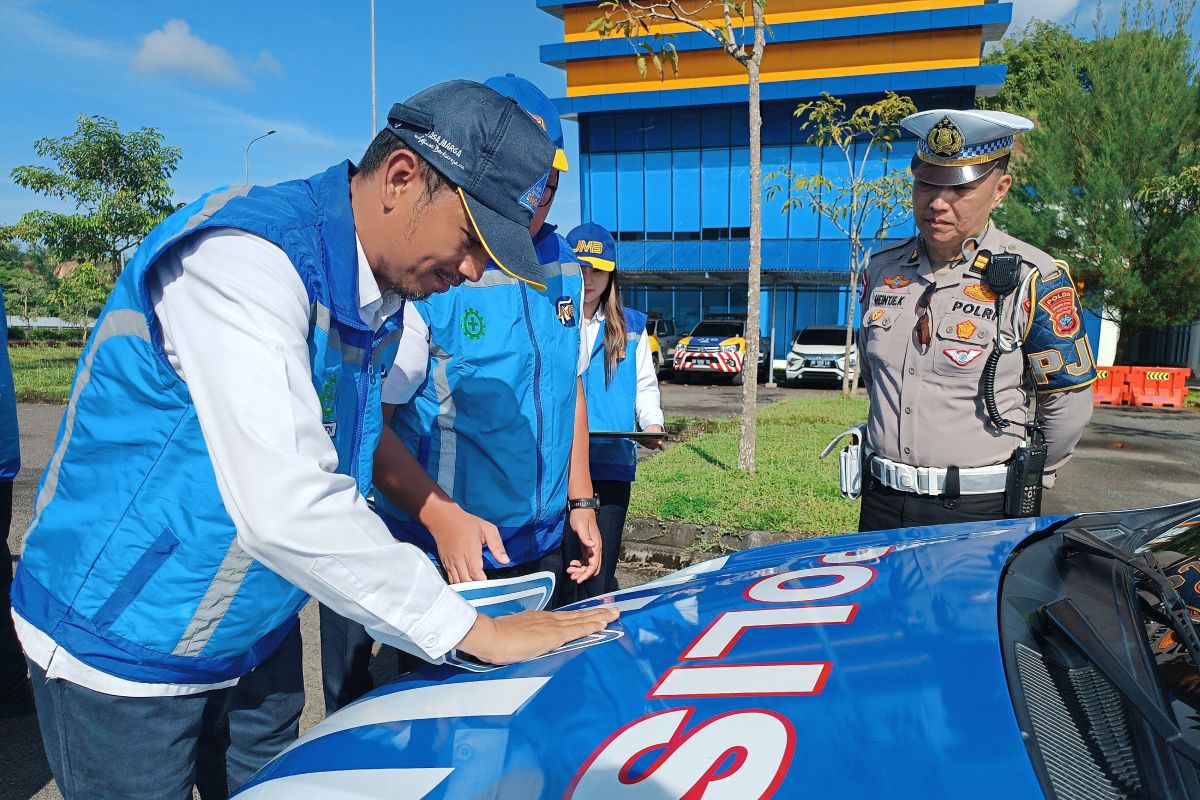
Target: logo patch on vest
328,397
473,326
977,291
566,311
896,282
962,356
1060,305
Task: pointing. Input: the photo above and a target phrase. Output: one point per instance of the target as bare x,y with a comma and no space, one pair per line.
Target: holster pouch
850,460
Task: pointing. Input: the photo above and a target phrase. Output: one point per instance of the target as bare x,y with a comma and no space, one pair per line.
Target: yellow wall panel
577,18
786,61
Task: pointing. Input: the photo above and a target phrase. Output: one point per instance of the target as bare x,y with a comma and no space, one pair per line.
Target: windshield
724,330
833,337
1178,554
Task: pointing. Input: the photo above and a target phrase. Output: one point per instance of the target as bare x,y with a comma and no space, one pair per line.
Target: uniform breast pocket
962,346
876,331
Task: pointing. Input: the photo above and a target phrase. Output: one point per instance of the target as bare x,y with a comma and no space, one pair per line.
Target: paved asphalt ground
1128,458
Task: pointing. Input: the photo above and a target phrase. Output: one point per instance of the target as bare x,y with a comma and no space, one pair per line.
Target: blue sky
212,76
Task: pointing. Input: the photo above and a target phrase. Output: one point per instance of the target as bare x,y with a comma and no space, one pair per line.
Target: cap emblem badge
945,139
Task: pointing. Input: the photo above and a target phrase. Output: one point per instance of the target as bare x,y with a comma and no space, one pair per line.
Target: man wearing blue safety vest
211,466
486,444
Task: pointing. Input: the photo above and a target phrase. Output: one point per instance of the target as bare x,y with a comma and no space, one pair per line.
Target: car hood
892,684
820,349
711,341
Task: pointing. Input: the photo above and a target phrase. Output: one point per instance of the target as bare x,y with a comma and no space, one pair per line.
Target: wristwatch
592,502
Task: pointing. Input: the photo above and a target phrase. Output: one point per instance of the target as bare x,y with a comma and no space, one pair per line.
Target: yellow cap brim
560,161
599,263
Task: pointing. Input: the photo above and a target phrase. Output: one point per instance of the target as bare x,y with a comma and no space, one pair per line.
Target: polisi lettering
975,309
693,758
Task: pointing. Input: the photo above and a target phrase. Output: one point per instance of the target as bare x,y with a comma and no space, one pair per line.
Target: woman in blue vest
621,386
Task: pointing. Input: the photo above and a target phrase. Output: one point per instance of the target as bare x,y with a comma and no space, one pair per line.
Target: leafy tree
28,279
863,205
117,182
80,295
1109,180
1037,57
636,20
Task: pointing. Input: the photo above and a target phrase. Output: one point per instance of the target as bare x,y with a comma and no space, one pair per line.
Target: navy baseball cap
537,105
594,245
495,154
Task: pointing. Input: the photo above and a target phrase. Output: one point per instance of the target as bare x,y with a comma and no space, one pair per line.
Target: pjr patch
566,311
1060,305
977,291
962,356
896,282
965,329
887,300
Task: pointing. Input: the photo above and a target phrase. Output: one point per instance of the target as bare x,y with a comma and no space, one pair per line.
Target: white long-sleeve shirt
234,317
647,402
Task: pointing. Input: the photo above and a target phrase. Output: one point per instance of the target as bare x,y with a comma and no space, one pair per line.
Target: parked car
819,351
662,338
1014,659
717,347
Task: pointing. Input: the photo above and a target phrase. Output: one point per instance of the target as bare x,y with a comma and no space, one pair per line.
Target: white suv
819,351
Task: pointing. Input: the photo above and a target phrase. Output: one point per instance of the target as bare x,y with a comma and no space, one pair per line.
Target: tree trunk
851,316
746,444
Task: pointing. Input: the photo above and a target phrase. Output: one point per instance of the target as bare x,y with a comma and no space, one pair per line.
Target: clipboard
635,435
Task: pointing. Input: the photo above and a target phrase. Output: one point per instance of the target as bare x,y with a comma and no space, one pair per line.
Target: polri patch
1060,305
566,311
962,356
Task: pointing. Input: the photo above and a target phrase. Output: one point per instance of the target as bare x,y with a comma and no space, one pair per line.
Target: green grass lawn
43,374
696,479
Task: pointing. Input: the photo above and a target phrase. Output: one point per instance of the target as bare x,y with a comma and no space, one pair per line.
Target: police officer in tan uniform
944,310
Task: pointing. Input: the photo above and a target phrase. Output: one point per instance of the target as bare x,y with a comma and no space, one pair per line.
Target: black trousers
884,508
610,519
346,645
12,660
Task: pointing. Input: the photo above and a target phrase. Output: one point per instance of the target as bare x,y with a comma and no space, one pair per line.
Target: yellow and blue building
665,164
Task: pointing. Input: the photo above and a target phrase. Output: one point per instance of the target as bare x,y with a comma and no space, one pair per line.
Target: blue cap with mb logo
594,246
495,154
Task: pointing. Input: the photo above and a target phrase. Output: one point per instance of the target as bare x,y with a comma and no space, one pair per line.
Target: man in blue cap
975,357
486,453
211,466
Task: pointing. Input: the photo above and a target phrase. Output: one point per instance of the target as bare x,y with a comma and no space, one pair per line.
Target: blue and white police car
1051,657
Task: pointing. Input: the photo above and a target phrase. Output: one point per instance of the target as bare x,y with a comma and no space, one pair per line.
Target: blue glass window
604,190
739,190
686,193
775,219
804,223
658,194
629,132
714,127
685,128
600,134
714,193
657,126
631,193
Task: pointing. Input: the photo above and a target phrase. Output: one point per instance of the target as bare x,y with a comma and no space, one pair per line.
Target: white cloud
175,49
21,19
265,63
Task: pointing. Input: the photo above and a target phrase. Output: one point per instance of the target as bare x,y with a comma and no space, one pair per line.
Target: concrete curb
675,545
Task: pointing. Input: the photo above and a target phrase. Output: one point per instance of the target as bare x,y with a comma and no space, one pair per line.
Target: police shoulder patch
1056,347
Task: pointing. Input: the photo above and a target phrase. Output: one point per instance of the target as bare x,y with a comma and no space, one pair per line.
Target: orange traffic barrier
1158,386
1111,386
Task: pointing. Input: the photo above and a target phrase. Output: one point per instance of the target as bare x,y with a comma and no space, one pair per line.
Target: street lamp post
246,157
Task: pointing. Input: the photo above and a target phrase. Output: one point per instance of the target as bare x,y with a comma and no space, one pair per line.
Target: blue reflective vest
493,421
10,442
132,563
610,403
